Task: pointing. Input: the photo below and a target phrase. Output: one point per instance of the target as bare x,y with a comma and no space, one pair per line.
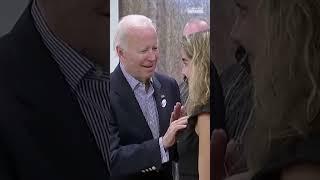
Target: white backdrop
114,19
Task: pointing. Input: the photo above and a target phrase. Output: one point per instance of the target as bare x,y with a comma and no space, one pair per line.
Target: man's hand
176,123
169,139
177,112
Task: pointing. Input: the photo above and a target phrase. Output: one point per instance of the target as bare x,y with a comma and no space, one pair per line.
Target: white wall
114,19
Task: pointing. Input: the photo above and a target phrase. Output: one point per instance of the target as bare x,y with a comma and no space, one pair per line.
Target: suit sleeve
133,158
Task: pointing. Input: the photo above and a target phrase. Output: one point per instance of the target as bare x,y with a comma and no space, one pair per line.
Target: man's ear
120,52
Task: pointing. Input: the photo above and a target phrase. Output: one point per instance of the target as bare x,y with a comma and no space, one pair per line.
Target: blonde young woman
194,142
284,47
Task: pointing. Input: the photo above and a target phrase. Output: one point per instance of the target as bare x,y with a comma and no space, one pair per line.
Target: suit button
154,168
147,170
143,171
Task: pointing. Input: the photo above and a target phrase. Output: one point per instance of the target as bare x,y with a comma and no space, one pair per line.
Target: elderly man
141,101
54,93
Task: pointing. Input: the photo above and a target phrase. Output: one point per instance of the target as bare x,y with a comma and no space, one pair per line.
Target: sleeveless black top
188,147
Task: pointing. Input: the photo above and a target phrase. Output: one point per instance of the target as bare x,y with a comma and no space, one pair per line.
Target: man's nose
152,56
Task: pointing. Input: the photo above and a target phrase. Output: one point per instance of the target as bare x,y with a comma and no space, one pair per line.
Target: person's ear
120,52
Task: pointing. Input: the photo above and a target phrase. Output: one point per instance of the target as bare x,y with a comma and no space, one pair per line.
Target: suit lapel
162,107
122,89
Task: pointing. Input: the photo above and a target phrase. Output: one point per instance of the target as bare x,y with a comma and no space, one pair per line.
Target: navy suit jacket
43,134
133,149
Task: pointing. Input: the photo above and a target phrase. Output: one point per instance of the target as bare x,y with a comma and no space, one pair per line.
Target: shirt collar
73,65
133,82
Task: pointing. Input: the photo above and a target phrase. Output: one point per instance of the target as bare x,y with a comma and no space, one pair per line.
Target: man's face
140,54
247,29
83,24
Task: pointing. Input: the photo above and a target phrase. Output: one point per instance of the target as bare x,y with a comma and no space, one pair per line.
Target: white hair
125,24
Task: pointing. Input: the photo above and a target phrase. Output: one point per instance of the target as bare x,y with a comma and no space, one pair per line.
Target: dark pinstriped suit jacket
133,148
43,134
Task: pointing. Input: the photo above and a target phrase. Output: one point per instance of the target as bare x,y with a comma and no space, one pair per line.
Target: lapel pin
163,103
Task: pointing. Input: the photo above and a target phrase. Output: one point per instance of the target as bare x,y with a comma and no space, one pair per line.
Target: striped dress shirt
89,83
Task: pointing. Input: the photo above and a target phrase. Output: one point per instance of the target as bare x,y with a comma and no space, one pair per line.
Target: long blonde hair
286,76
197,48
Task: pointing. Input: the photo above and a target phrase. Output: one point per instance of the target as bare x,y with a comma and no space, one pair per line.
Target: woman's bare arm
203,131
